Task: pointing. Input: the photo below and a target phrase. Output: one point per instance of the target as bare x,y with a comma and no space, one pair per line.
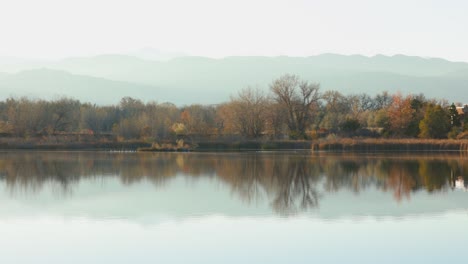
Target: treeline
293,108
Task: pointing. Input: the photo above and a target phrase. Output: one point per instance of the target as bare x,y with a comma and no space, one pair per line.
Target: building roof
462,110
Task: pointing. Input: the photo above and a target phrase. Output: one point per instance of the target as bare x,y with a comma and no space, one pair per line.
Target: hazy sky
217,28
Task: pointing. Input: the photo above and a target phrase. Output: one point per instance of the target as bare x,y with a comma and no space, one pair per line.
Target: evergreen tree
454,116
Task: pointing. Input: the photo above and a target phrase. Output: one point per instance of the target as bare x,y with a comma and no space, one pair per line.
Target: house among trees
462,111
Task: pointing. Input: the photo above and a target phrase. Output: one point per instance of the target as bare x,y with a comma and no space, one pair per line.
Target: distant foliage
292,109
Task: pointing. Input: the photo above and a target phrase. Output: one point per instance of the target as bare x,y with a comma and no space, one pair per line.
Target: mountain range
104,79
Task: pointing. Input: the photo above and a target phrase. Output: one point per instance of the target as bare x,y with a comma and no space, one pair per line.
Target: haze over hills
52,84
186,80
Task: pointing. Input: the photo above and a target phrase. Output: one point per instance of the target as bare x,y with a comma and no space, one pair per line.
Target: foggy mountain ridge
51,84
186,80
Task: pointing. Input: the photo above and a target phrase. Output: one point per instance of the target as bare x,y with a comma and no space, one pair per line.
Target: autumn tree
298,98
27,117
224,119
99,119
400,114
246,112
127,128
64,115
161,117
275,119
91,118
128,125
199,119
131,107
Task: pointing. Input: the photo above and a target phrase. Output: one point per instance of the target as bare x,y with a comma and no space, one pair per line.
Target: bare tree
65,115
246,113
334,111
199,119
298,98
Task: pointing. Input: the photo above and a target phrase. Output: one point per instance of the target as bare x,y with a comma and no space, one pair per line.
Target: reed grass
397,145
328,144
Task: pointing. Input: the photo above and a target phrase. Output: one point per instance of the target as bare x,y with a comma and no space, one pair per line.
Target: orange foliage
400,114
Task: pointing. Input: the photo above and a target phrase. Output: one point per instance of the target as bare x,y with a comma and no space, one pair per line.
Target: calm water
98,207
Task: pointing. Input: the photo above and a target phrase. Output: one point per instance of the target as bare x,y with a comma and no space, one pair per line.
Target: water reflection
289,183
460,183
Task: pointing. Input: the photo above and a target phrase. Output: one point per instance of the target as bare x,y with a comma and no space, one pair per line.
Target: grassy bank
397,145
339,145
334,145
254,145
36,144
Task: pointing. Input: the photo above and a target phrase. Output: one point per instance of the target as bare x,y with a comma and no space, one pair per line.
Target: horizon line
188,55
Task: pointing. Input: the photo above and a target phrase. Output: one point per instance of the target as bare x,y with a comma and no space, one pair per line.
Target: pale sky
217,28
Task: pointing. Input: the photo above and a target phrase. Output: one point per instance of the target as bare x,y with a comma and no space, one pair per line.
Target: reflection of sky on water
231,208
221,239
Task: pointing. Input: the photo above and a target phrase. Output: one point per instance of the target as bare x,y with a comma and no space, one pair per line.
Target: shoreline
335,145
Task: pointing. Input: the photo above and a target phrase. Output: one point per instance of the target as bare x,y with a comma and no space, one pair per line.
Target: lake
250,207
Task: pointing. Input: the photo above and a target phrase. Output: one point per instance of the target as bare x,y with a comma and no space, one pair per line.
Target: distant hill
398,64
46,83
185,80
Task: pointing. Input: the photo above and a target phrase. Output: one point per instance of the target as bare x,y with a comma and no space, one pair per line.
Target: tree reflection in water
292,182
297,181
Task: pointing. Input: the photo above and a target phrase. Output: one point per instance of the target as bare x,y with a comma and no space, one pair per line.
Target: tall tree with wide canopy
297,98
